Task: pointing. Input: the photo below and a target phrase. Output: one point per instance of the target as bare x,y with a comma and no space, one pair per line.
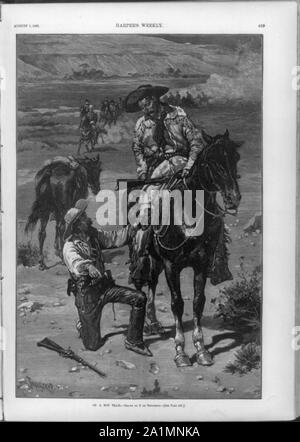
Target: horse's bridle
220,170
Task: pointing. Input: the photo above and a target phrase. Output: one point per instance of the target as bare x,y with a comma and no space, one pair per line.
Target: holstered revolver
71,288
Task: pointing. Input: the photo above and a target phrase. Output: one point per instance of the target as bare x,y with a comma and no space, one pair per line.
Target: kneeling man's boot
134,340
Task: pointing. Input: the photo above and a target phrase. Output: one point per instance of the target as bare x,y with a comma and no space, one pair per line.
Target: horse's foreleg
203,356
42,236
177,304
88,146
59,243
56,241
79,147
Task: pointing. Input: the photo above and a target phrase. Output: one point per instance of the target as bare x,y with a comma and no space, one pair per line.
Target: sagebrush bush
247,358
28,254
239,304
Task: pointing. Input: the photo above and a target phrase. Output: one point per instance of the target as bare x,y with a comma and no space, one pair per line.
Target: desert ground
47,121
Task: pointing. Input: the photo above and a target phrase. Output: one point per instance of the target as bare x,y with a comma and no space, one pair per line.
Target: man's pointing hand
93,272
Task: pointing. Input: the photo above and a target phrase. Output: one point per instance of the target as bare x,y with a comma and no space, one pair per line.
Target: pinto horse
172,250
58,186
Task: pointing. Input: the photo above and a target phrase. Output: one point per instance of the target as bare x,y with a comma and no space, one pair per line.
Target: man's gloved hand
185,173
93,272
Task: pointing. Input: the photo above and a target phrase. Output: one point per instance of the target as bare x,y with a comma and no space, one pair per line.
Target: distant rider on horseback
89,118
88,129
84,109
104,105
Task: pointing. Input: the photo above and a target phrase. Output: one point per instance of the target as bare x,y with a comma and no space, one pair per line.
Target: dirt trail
57,317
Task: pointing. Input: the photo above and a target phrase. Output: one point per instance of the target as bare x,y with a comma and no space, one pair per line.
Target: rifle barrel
87,364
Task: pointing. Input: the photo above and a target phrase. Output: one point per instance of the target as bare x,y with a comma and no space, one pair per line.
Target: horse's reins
220,171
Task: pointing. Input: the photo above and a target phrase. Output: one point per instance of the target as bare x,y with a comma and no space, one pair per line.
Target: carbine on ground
51,345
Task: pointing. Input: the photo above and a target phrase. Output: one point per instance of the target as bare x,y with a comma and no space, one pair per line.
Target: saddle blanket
68,161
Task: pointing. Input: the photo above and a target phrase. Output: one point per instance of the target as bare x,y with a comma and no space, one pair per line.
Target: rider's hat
73,215
146,90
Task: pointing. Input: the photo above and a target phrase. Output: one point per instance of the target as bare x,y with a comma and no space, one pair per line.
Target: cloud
244,83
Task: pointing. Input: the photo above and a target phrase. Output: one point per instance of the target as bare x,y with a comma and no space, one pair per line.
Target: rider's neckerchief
159,131
161,135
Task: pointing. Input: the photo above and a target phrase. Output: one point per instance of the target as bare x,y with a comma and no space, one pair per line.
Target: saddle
68,161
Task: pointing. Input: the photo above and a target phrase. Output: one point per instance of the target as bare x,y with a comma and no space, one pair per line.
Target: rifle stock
132,182
51,345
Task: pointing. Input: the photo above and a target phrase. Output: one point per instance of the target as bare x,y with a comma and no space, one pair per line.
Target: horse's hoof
182,360
154,328
42,266
147,330
204,358
157,328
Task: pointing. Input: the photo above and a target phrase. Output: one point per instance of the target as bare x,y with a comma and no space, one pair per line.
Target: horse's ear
238,144
226,134
207,138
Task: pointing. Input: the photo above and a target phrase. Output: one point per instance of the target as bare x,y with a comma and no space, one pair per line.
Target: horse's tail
33,217
41,186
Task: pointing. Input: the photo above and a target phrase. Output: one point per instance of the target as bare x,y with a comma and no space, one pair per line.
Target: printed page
149,173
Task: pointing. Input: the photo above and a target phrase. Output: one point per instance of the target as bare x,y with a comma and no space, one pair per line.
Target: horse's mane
210,143
88,158
47,170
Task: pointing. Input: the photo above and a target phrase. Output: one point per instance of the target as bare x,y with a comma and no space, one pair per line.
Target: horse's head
92,164
218,162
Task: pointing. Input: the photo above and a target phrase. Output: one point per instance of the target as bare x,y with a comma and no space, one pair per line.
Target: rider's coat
79,254
183,141
88,120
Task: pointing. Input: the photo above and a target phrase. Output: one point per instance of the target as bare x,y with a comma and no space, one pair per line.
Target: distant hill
27,72
92,57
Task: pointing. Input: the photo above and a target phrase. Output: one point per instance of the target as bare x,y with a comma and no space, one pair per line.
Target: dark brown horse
58,186
171,249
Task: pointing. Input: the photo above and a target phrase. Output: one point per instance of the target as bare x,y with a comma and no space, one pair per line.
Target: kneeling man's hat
131,102
73,214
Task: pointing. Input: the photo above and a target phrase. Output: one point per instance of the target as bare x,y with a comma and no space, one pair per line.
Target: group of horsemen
92,125
165,143
89,117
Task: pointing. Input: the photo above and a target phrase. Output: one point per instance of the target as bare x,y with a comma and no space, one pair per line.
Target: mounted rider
89,118
88,123
165,139
84,108
165,143
105,105
120,105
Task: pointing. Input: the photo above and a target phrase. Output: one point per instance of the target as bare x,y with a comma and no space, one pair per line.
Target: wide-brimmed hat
73,214
131,102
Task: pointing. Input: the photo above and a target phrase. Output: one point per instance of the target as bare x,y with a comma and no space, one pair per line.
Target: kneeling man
92,286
